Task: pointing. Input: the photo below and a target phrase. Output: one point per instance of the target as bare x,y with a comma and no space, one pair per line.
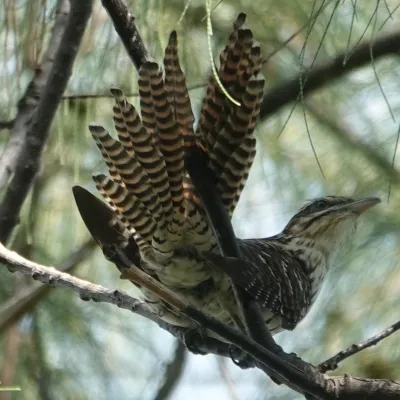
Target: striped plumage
285,272
156,204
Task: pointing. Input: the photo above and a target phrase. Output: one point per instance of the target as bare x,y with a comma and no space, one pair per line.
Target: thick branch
124,24
37,109
86,290
29,102
290,375
350,388
288,91
51,276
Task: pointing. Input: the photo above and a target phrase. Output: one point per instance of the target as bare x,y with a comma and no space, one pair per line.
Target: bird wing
272,276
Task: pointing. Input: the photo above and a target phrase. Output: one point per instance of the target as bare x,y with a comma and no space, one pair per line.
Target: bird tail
147,186
225,130
146,164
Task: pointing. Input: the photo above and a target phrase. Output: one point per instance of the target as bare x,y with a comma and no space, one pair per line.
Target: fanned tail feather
131,172
139,143
148,187
178,96
226,130
149,190
129,209
169,137
240,149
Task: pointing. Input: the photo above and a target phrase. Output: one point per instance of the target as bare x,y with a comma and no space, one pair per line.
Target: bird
158,217
285,272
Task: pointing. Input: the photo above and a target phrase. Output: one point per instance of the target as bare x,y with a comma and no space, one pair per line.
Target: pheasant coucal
158,217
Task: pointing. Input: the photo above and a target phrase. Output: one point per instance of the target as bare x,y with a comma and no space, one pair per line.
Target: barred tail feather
170,140
135,215
216,107
178,96
148,187
236,166
146,105
139,143
132,173
225,128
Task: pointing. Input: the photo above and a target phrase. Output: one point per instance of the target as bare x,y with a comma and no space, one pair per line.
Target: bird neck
315,256
310,252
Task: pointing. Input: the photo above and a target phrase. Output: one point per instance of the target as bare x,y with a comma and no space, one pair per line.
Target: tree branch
342,133
27,298
332,363
36,111
321,386
124,24
7,124
290,375
288,91
173,372
202,179
86,290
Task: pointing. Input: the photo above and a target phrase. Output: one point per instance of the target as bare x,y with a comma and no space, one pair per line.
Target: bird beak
359,206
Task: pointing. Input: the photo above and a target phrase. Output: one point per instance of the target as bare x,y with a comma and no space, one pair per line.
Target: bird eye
320,204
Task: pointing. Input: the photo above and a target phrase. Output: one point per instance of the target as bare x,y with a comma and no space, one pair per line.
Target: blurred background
340,139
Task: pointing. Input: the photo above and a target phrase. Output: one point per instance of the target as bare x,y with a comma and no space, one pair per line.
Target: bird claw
194,340
241,358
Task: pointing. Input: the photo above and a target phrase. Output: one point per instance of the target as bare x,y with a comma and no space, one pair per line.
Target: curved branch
288,91
37,109
321,386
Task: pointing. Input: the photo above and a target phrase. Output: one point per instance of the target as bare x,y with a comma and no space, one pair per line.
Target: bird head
328,222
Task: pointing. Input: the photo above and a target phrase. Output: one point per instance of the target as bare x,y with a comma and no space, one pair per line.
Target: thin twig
332,363
86,96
